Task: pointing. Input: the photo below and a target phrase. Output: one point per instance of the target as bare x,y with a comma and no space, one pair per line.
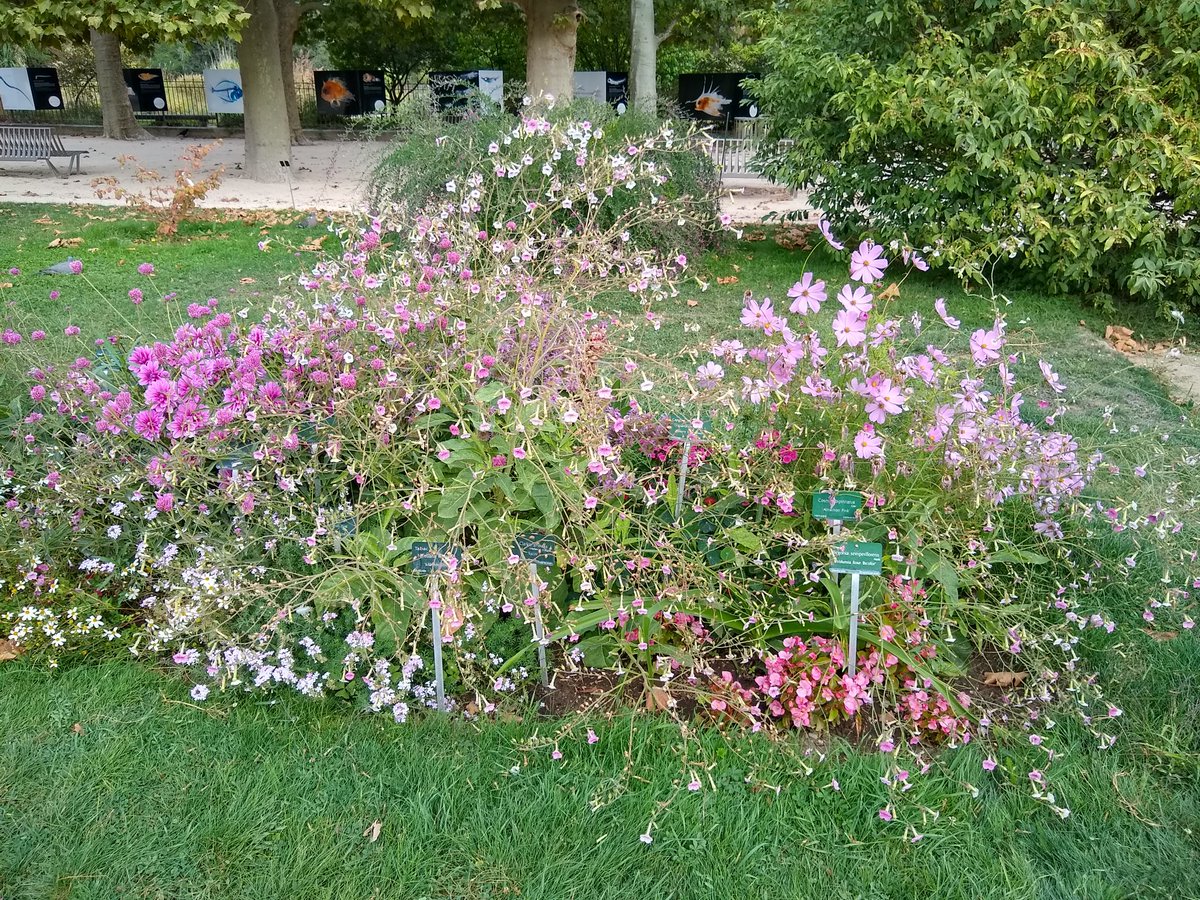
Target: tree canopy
1062,137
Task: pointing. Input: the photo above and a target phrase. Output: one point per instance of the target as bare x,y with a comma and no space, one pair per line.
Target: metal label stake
538,549
854,585
684,429
539,630
432,558
439,673
856,558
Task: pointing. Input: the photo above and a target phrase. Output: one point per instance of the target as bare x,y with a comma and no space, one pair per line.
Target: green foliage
55,21
435,152
1058,138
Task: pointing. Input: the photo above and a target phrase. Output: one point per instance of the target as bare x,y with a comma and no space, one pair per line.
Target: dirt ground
326,175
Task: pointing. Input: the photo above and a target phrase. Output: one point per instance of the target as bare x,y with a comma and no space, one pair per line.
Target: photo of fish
710,102
223,91
146,90
716,97
335,93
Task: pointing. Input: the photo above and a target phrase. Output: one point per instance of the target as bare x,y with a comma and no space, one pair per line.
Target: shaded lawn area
154,796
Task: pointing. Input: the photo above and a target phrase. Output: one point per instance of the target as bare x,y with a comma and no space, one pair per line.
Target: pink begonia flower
827,233
807,295
867,263
939,306
849,328
855,299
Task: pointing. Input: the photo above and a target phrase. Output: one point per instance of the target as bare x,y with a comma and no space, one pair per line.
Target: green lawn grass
153,796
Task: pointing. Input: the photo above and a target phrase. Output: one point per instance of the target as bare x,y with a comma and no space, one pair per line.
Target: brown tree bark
288,13
115,110
551,30
268,134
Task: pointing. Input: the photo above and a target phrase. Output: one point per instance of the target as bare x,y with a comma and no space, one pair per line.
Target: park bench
37,142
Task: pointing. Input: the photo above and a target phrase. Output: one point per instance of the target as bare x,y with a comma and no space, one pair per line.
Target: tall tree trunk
643,57
551,28
288,12
3,114
268,136
115,110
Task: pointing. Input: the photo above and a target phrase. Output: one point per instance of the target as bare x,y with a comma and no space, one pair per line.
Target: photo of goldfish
711,103
335,93
149,76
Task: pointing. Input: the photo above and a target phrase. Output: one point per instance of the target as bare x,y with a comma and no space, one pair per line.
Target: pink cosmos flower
986,346
827,232
939,306
761,315
849,328
855,299
867,444
1051,377
867,263
807,295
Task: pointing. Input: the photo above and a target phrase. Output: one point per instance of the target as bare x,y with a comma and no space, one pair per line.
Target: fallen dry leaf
8,650
77,728
693,303
5,284
248,280
1004,679
313,245
44,220
732,279
890,292
64,242
372,832
1161,635
658,699
1122,340
754,236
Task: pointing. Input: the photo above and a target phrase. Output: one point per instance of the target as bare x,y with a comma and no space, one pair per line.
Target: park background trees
1060,140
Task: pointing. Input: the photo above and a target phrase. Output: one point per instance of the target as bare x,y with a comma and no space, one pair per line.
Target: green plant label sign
535,547
839,507
858,558
683,427
432,556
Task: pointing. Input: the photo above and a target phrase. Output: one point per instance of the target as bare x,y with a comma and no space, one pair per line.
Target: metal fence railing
185,97
735,156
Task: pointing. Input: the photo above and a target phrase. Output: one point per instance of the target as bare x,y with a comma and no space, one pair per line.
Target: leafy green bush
1060,138
436,152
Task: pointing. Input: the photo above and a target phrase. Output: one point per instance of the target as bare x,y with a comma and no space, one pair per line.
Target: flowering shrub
243,497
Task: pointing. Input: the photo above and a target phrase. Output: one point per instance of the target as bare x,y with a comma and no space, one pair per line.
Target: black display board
43,82
716,97
147,92
616,89
349,92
